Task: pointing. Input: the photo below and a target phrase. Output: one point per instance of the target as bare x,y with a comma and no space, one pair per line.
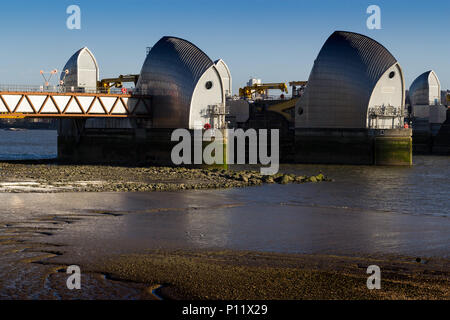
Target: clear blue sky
274,40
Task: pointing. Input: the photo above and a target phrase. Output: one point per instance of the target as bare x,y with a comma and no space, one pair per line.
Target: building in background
179,87
427,112
81,72
185,86
225,74
352,110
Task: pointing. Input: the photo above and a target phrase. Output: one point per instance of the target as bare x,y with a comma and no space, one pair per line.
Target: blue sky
276,41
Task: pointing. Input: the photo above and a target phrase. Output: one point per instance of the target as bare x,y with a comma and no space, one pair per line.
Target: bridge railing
62,89
39,104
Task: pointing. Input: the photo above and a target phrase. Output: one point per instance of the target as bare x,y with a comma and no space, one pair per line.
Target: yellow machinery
298,83
248,92
108,83
297,87
286,108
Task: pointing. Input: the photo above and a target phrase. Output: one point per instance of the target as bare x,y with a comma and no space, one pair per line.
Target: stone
268,179
285,179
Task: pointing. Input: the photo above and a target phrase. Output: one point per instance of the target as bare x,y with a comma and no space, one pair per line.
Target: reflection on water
226,219
28,144
422,189
367,209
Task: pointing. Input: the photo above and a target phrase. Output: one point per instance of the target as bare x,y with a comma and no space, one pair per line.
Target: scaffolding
216,115
384,117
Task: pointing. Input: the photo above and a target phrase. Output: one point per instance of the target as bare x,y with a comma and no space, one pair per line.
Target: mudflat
48,176
36,252
254,275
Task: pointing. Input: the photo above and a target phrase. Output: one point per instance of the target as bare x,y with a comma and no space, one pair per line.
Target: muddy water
399,210
422,189
233,219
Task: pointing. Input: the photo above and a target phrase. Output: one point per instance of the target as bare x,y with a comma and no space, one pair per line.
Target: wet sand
236,275
214,244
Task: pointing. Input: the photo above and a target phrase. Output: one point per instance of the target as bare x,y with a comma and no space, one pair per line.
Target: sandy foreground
253,275
36,250
205,275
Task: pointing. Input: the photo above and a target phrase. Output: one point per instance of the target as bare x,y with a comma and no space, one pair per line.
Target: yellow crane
248,92
283,108
108,83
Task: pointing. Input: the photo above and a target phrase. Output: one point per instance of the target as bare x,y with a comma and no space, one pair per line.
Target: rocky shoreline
41,177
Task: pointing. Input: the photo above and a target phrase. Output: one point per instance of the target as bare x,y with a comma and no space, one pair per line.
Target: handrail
61,89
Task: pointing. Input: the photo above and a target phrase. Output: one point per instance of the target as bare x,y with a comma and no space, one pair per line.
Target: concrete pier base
354,146
125,146
127,143
136,144
441,143
393,147
422,142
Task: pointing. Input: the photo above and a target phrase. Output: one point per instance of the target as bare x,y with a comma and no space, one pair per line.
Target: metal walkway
22,104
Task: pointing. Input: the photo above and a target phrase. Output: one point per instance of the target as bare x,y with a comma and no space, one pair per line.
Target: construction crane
108,83
249,92
284,108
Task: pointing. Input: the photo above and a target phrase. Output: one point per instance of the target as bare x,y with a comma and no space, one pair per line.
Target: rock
313,179
320,177
276,176
268,179
285,179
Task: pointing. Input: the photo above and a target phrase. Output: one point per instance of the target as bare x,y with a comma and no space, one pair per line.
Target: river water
423,189
27,144
366,209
